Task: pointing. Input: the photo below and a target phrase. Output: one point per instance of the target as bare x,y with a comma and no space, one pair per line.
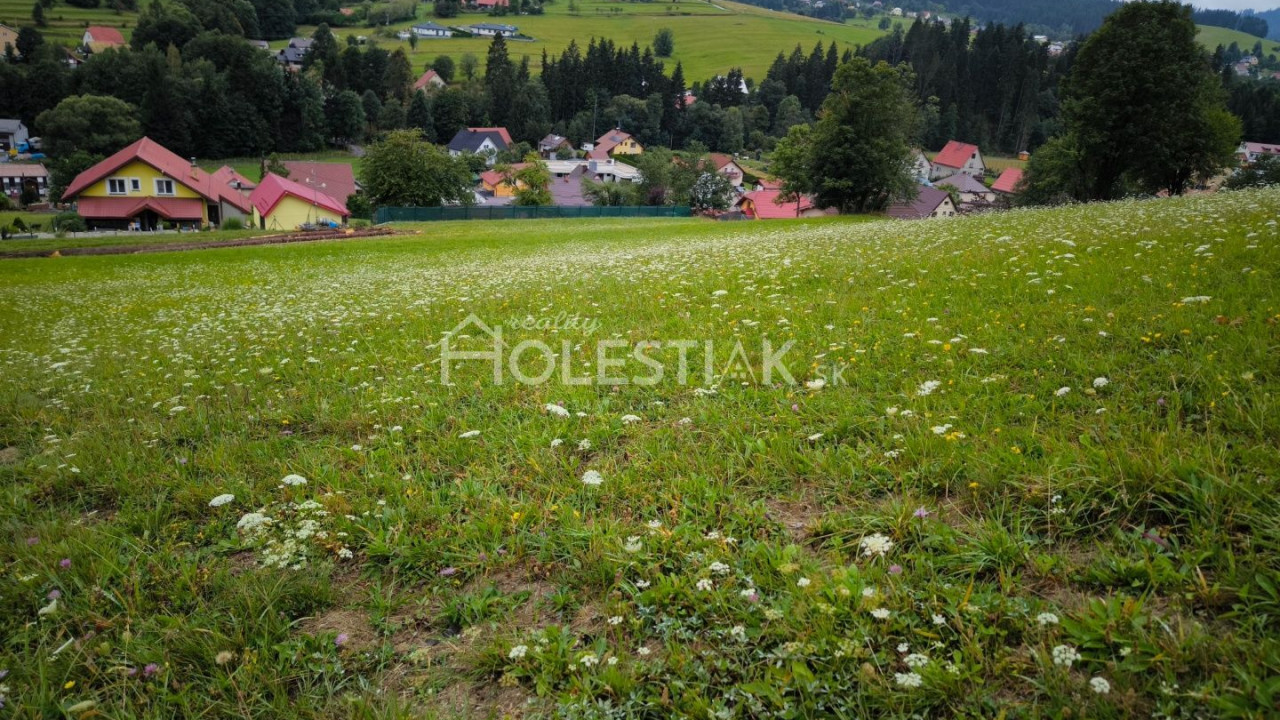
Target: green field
66,23
708,40
1020,465
1212,37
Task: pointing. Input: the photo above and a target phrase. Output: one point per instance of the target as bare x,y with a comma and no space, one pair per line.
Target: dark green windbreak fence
513,212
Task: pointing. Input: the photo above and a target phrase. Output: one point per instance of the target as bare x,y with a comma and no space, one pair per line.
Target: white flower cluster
1065,655
287,534
875,545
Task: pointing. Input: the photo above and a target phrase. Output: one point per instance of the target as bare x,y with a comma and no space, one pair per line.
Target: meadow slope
1028,466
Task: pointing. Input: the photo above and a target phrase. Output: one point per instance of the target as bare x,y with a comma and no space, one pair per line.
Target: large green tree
857,156
404,170
95,124
1144,106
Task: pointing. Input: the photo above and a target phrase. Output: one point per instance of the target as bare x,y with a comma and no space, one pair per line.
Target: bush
233,224
69,222
358,224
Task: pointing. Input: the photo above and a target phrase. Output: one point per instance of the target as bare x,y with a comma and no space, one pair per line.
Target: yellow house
502,184
281,204
145,186
615,142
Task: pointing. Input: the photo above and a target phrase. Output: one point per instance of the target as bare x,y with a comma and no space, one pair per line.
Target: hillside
1212,37
710,37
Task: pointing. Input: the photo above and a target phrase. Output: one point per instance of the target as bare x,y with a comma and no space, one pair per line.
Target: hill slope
1041,477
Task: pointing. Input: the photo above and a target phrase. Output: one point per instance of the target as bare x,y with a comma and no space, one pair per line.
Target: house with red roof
771,205
145,186
957,157
502,184
282,204
929,202
430,80
1007,183
614,142
1249,152
335,179
97,38
728,167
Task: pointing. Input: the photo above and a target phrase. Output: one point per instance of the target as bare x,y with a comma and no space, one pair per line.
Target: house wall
627,147
147,175
945,209
291,212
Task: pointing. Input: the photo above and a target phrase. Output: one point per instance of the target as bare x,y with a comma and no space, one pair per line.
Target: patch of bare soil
354,624
9,455
796,516
465,699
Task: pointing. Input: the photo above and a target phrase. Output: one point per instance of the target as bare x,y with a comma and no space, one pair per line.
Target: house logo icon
448,355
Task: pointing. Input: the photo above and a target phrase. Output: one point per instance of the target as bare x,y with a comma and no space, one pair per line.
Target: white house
921,168
1248,152
958,157
431,30
491,29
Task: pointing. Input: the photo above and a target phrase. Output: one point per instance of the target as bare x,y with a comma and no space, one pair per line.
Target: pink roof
170,165
335,179
768,205
502,132
426,79
1262,148
955,154
770,183
23,170
226,175
492,3
123,208
1008,181
102,34
274,188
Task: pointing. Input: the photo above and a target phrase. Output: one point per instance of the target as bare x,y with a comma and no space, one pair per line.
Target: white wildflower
293,480
705,584
908,680
881,614
628,419
875,544
1100,382
633,544
469,434
1065,655
1062,391
1100,685
615,620
518,652
556,410
916,660
222,499
1047,618
593,478
927,387
803,582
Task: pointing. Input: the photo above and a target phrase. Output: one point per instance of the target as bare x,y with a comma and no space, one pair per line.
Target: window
164,187
116,186
136,183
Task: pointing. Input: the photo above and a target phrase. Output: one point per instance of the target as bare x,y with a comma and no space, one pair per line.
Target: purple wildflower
921,513
54,594
65,563
449,572
895,569
340,640
32,540
150,669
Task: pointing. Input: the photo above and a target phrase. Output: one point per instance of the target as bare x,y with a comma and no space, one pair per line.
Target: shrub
69,222
233,224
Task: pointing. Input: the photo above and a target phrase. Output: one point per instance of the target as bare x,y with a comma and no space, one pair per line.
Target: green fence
513,212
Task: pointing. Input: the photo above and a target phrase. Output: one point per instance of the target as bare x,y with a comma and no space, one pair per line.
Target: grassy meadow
710,38
1021,465
1212,37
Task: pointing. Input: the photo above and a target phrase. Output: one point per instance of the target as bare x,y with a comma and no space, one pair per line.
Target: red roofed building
429,81
957,157
769,205
335,179
502,184
1249,152
282,204
615,142
98,38
1007,183
490,4
144,186
728,167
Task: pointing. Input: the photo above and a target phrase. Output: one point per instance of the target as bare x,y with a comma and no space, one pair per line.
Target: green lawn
23,244
1019,465
1212,37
